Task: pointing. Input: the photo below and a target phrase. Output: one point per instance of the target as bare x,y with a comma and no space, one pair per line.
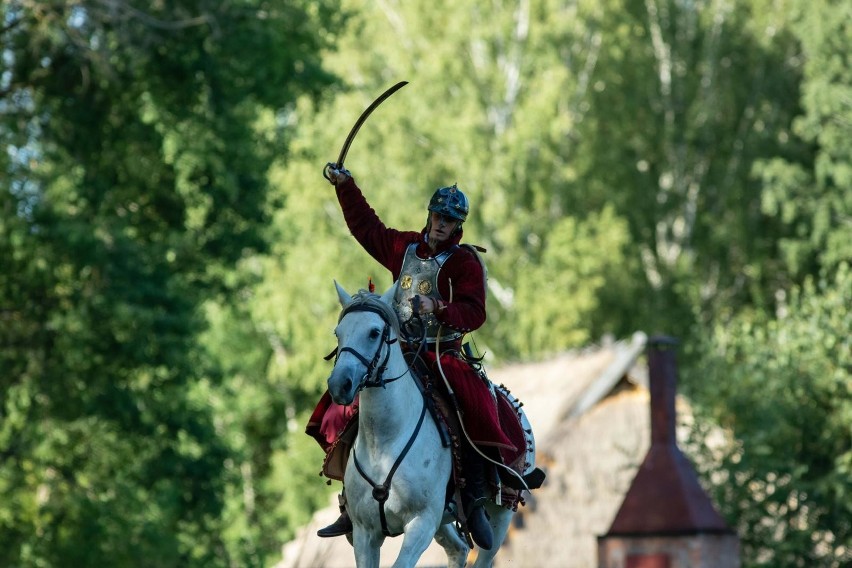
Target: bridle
374,377
374,373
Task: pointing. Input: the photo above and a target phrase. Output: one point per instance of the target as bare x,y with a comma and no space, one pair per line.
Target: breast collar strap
382,492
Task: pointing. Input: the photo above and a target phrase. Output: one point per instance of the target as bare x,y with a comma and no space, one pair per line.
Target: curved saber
358,123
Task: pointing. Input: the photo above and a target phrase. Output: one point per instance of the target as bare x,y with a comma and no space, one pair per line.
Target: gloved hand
334,174
423,304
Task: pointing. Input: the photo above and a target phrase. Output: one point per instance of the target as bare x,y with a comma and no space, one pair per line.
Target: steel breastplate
419,276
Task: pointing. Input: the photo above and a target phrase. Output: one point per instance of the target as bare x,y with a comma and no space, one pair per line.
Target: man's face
442,227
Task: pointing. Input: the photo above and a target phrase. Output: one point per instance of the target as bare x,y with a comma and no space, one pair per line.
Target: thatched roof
589,410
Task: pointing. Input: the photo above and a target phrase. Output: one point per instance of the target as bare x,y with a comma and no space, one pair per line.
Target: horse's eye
375,333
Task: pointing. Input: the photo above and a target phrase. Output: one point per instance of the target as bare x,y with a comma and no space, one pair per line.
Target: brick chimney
666,519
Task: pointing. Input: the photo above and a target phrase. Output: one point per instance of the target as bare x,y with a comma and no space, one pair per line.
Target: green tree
812,198
780,380
137,141
685,100
782,388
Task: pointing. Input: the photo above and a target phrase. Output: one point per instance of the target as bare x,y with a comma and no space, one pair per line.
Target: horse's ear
343,296
387,297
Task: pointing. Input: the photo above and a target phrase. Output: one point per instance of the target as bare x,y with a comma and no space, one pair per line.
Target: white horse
398,470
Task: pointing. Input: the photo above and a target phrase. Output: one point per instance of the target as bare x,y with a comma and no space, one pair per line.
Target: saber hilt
332,166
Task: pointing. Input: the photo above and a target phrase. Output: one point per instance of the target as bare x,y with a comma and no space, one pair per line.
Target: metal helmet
450,201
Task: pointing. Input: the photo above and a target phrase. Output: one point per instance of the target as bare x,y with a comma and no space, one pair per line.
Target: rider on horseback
444,284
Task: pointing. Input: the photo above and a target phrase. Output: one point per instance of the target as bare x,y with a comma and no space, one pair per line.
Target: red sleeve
385,244
462,285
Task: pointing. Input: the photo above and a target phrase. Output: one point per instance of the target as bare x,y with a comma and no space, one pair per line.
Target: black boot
340,527
474,495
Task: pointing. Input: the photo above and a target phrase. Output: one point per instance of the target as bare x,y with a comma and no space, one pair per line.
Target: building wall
695,551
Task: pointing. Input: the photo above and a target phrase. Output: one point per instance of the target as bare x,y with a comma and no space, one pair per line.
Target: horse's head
366,331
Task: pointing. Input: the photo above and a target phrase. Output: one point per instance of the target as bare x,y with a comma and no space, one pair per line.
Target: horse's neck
390,409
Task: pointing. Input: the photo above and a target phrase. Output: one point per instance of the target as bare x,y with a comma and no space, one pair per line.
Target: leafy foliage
780,381
168,244
784,386
812,199
134,179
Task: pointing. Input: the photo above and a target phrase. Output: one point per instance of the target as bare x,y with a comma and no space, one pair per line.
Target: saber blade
363,118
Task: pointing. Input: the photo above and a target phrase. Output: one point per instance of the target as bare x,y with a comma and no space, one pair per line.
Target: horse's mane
363,298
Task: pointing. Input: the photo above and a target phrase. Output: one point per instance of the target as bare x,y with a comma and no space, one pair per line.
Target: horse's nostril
347,385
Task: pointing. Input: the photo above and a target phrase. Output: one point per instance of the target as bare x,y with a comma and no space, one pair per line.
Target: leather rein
381,491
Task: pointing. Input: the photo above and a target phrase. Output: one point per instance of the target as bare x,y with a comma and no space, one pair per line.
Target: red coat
466,312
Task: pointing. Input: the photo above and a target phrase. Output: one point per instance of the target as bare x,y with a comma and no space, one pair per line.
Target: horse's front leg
367,547
418,534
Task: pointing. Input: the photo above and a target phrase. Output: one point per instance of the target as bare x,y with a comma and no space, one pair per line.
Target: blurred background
168,244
